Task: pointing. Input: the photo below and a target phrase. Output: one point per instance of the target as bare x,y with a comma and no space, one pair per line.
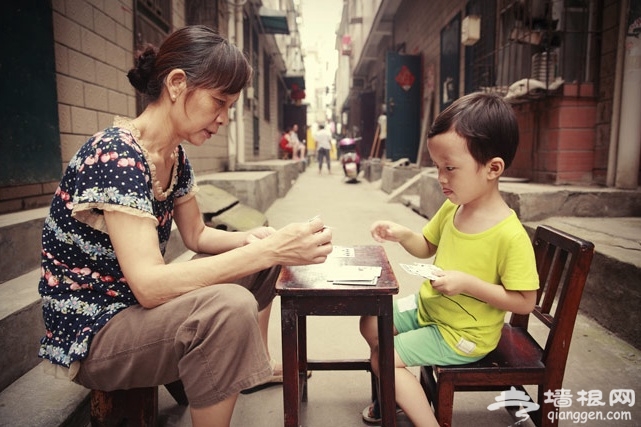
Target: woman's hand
300,243
258,233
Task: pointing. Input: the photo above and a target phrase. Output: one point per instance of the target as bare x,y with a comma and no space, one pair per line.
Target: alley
597,361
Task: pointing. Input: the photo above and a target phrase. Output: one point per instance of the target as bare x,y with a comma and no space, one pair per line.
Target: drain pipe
629,147
616,98
233,115
240,104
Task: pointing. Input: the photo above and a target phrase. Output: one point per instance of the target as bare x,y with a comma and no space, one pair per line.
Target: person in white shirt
323,146
382,132
298,148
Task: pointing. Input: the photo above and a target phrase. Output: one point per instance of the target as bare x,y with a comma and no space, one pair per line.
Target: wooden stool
134,407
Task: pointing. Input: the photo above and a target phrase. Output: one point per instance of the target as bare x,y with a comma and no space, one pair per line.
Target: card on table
355,275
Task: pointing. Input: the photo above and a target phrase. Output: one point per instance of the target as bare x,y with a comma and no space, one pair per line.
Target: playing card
342,252
427,271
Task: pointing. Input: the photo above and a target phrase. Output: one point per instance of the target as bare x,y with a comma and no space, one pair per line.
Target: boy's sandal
372,413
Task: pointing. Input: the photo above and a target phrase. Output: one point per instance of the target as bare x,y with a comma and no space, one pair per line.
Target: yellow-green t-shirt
502,255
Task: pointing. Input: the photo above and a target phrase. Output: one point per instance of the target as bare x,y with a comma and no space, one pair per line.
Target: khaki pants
207,338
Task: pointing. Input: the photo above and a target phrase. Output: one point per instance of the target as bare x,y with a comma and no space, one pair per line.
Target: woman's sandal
275,379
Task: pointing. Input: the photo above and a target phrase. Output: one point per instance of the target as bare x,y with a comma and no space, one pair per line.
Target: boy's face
461,178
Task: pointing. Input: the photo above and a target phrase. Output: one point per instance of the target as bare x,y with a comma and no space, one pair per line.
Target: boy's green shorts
421,345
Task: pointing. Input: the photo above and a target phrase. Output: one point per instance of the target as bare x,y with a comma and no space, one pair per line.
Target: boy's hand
451,282
389,231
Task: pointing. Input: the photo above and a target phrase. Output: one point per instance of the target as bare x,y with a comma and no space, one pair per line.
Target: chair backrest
563,262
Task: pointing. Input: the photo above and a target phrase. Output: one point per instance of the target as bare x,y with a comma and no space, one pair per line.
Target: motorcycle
350,158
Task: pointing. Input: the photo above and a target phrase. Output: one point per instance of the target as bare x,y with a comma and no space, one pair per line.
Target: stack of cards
341,252
355,275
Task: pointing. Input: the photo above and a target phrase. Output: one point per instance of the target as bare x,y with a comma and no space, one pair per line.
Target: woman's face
203,112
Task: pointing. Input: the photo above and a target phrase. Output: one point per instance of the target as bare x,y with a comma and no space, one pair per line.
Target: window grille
538,44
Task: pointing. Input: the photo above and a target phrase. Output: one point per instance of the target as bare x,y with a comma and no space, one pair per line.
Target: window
203,12
157,12
152,22
549,41
480,58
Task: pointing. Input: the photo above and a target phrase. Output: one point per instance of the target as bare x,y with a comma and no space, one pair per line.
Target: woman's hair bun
143,68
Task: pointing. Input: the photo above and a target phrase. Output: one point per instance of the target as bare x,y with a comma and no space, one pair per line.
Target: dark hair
208,60
486,121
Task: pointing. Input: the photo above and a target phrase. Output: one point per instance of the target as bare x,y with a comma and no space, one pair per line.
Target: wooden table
305,291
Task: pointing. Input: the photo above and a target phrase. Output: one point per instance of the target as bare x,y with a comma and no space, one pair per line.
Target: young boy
485,254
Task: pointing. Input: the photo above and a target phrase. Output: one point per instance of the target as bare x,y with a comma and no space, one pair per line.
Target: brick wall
564,140
93,52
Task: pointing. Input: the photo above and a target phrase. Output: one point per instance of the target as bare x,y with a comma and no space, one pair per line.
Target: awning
273,21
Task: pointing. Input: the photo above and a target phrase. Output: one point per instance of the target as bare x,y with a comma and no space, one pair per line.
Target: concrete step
256,189
533,202
21,326
612,294
20,240
287,171
223,210
40,399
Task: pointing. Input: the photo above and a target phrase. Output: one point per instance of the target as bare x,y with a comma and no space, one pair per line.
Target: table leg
387,398
302,356
289,329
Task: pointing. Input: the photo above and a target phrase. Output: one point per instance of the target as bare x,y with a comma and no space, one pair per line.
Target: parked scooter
350,158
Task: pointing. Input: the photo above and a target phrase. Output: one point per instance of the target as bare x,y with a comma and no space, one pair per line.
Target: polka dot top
82,285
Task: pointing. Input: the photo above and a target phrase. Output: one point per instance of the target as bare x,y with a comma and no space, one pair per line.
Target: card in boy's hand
427,271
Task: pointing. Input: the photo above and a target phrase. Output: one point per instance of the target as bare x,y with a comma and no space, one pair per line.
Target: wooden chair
563,262
134,407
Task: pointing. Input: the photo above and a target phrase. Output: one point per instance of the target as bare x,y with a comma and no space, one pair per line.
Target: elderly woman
115,314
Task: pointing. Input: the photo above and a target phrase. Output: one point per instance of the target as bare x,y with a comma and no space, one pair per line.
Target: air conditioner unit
470,30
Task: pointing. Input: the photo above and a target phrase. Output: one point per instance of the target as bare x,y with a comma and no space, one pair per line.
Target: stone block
286,170
393,177
372,169
256,189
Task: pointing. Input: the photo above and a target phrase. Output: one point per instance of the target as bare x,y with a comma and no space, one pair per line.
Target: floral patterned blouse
82,285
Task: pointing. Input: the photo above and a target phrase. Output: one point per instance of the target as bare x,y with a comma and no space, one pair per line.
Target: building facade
73,82
570,67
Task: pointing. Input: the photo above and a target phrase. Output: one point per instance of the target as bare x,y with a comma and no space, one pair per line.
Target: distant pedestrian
323,146
382,131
